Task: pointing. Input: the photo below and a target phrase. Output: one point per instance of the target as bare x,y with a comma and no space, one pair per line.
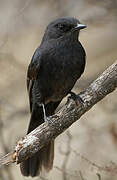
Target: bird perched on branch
54,69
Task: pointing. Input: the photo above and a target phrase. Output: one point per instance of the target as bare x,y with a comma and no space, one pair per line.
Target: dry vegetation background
88,150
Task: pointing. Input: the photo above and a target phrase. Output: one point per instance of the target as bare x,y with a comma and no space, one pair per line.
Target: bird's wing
32,72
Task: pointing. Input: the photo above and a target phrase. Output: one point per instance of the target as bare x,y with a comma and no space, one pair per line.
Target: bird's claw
48,119
76,98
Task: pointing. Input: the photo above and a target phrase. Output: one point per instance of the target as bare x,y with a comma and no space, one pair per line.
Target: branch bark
64,118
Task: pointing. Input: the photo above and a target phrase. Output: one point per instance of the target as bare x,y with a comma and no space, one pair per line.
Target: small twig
99,176
81,175
67,173
67,154
5,148
109,169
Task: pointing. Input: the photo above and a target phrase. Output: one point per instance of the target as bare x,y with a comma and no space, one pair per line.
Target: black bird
54,69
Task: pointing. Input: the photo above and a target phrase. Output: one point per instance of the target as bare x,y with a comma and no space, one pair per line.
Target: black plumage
54,69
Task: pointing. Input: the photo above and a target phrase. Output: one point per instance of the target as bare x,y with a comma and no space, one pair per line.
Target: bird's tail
44,157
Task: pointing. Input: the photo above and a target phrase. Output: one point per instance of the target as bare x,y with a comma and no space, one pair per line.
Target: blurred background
88,150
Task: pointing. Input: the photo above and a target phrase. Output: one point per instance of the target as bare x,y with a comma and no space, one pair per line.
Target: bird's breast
60,70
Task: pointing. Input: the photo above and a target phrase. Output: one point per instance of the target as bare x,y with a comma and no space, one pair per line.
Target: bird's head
63,26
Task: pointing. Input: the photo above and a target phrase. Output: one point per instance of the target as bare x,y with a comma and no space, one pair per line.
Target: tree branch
64,118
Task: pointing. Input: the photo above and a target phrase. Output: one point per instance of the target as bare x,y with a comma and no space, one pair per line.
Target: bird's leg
44,113
76,98
46,119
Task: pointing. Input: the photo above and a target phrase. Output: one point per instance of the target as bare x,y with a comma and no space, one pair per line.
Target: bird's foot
48,119
76,98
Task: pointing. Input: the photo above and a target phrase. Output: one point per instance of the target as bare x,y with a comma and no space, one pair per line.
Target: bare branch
67,154
111,168
81,175
99,176
65,117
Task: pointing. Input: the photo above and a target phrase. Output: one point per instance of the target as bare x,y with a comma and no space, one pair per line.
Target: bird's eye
63,27
60,26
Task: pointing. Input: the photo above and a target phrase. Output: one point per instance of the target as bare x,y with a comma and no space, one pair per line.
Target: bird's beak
80,26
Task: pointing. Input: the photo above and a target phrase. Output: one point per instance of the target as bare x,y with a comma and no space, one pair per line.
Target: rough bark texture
71,112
